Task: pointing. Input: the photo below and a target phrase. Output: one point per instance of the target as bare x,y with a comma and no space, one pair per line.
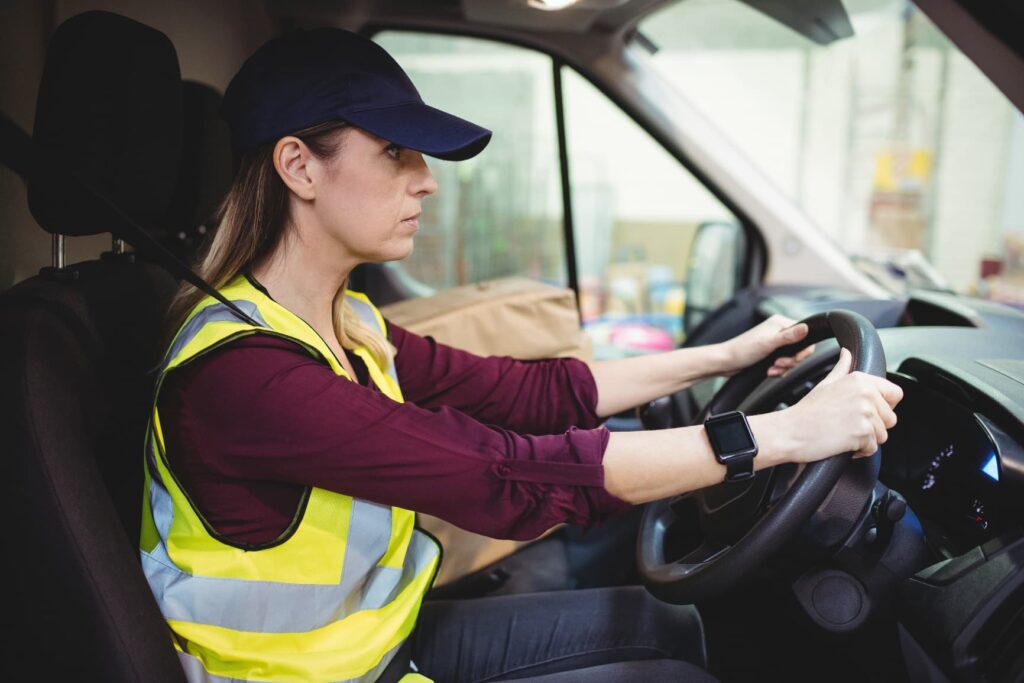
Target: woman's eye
394,151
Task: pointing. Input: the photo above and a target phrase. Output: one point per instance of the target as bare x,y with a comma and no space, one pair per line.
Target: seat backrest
207,169
76,350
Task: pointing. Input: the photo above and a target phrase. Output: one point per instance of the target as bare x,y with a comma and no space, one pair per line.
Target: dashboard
957,457
957,452
949,461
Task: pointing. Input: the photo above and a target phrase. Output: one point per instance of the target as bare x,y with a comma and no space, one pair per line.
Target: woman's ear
291,161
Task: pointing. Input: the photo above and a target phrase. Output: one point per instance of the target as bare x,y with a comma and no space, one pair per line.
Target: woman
287,450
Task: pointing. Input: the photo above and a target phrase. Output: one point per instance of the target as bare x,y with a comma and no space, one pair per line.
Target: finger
782,321
886,413
881,433
794,333
781,366
841,368
868,446
805,353
866,452
892,393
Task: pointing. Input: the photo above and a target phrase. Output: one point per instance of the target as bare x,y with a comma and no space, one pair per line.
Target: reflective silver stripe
195,672
368,318
268,606
369,534
217,312
162,507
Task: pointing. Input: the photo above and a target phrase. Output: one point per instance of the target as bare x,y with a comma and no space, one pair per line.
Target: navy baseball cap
313,76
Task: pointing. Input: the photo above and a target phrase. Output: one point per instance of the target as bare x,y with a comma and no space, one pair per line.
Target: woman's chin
397,252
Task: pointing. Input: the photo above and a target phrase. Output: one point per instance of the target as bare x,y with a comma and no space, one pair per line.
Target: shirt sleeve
530,397
268,411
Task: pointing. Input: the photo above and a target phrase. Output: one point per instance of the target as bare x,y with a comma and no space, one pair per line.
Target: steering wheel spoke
682,499
701,556
782,478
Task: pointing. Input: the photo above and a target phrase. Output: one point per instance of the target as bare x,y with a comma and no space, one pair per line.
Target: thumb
842,367
793,333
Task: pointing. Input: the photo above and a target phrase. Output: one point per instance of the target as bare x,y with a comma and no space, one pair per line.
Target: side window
641,221
654,249
498,214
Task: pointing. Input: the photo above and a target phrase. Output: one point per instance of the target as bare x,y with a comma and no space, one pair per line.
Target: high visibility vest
332,599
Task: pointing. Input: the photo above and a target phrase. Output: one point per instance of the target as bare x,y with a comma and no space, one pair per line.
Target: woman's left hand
758,342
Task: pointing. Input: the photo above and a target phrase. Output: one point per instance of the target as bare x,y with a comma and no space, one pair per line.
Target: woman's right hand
846,412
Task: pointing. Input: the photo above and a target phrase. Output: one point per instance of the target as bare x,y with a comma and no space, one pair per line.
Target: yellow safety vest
334,598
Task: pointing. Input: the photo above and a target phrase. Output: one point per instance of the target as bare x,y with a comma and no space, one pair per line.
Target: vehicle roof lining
586,16
822,21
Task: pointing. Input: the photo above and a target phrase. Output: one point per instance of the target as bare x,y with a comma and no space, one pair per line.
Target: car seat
77,346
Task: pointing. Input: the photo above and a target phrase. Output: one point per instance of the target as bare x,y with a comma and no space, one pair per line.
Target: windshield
890,140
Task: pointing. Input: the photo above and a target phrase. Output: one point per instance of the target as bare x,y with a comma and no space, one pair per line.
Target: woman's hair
252,221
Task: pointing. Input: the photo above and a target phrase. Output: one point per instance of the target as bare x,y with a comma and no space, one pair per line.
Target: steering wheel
743,524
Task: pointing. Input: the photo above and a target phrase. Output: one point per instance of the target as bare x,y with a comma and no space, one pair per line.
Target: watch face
730,435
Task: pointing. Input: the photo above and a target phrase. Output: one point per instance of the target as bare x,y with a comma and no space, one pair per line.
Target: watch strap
739,469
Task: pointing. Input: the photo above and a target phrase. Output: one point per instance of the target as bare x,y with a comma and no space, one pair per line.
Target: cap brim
425,129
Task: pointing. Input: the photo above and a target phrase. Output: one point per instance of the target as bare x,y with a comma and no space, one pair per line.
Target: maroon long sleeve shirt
498,446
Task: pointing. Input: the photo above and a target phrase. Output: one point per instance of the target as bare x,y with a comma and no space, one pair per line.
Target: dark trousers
600,634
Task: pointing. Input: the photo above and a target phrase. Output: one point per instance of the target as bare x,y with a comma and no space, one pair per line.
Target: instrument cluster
941,456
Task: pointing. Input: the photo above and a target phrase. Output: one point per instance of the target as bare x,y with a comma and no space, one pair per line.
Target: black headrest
207,168
109,111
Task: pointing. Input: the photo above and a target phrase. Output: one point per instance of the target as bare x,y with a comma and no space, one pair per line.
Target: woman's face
369,194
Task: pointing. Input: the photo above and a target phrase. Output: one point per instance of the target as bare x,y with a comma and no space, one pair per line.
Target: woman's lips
413,221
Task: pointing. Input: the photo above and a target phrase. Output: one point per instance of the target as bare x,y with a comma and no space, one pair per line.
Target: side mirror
714,270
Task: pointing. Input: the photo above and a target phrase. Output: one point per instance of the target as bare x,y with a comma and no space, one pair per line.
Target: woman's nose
423,184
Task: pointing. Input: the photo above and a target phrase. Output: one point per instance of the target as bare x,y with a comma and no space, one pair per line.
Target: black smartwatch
733,444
